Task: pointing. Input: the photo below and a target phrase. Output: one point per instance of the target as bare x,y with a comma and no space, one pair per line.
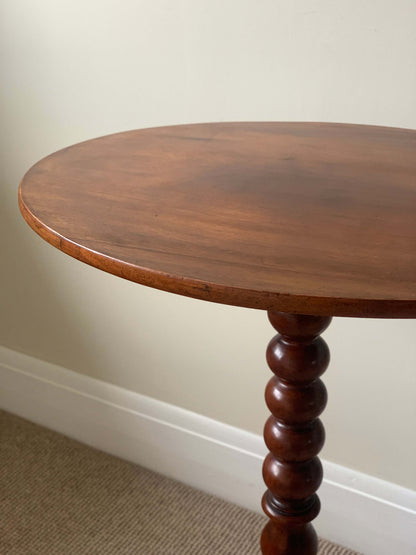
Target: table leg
294,434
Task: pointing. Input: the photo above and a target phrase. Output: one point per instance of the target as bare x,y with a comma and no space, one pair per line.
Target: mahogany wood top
295,217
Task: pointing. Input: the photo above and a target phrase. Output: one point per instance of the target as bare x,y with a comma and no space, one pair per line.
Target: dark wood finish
311,220
294,217
293,433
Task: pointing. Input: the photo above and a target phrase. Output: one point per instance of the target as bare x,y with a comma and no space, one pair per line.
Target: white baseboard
366,514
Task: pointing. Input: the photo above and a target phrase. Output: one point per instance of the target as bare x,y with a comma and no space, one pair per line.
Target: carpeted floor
58,496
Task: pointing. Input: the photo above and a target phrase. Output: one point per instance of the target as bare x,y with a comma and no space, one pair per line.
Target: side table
303,220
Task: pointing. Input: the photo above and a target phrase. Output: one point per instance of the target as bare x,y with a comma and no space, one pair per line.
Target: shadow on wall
34,316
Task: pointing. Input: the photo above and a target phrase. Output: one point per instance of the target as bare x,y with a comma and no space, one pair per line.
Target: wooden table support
294,434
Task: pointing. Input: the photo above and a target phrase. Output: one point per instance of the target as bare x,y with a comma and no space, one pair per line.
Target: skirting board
361,512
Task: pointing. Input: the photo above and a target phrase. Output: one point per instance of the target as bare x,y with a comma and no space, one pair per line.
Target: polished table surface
297,217
304,220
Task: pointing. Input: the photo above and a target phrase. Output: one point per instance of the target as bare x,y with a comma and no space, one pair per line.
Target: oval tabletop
309,218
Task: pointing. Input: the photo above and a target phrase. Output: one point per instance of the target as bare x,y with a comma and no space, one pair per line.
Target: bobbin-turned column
294,434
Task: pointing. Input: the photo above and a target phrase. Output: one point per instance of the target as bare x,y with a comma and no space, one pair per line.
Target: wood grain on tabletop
294,217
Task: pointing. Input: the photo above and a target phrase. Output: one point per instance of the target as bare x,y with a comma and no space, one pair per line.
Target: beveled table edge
222,294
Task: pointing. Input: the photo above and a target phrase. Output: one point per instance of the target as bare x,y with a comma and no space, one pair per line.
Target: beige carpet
58,496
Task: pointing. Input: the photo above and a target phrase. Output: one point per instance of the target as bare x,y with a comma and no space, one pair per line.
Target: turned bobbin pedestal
293,433
303,220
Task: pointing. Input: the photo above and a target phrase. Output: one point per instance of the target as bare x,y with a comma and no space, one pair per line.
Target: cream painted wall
72,70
